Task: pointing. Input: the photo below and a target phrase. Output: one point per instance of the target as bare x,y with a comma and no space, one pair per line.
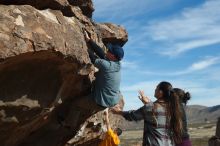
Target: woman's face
158,93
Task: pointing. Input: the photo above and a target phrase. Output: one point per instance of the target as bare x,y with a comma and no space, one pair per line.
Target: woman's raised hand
143,98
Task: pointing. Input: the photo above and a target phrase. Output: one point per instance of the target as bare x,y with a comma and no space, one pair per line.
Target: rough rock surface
46,74
85,5
215,140
110,33
63,5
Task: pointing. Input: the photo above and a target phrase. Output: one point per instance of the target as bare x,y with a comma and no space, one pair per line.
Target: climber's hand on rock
86,36
143,98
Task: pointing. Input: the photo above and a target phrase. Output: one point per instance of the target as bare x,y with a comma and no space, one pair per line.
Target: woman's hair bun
187,97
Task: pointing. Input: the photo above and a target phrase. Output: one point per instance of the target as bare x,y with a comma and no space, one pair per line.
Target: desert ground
199,134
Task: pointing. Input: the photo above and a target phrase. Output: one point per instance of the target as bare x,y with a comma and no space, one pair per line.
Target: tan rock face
30,30
112,33
85,5
63,5
46,74
39,4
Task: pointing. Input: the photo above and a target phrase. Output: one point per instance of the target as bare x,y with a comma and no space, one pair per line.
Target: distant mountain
195,114
201,114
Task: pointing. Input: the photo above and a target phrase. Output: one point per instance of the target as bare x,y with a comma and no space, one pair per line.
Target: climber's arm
143,113
136,115
97,49
133,115
92,56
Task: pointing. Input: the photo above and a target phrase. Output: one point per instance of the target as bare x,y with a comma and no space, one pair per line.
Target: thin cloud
192,29
111,10
122,9
204,63
214,74
199,89
129,65
150,86
200,65
190,45
205,96
197,66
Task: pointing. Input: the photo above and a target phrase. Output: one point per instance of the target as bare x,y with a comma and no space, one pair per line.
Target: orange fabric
111,139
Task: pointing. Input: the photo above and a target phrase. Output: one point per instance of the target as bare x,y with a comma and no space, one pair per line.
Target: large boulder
46,74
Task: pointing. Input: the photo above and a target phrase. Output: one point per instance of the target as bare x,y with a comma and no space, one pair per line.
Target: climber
106,86
111,137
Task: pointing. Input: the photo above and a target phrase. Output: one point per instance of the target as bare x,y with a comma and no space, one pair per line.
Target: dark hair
118,131
183,96
173,110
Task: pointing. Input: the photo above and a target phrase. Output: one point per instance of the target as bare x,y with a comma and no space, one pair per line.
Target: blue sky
170,40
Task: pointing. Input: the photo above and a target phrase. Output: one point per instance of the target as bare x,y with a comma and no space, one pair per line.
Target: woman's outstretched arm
135,115
95,48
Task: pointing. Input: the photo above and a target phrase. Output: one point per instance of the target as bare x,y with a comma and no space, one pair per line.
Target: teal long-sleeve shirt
106,90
